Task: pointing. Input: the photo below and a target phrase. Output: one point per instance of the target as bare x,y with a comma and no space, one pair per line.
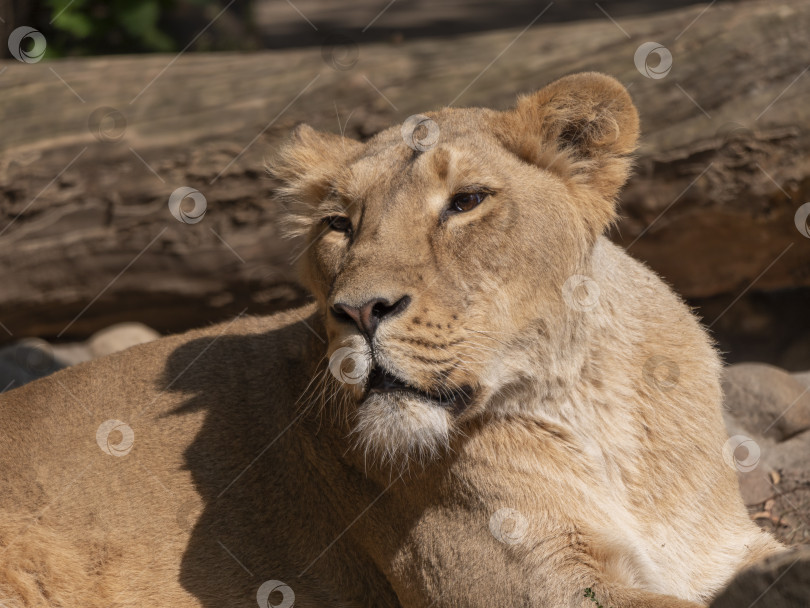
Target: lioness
488,404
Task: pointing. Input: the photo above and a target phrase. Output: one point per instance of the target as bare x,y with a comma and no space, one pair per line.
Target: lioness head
439,252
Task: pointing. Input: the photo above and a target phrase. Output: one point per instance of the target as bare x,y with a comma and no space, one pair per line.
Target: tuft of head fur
395,432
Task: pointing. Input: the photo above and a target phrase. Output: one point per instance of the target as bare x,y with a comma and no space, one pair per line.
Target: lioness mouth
382,381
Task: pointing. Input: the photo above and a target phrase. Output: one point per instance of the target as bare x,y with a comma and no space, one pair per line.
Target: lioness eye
340,223
466,201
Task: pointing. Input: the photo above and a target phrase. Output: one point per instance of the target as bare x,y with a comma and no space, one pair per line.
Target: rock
781,581
792,454
768,420
803,377
26,361
755,486
72,353
32,358
119,337
766,400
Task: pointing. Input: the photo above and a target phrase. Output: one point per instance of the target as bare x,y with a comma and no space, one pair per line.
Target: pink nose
368,316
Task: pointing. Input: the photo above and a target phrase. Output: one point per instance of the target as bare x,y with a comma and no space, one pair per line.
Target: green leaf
76,24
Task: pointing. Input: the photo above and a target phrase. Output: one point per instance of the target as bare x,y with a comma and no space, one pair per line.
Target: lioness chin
488,404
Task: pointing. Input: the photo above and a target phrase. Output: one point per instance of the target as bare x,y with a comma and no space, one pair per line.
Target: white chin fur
394,430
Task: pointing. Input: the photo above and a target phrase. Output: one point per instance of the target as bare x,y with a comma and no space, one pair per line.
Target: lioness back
196,493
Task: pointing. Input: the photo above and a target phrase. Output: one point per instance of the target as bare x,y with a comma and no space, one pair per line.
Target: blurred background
109,107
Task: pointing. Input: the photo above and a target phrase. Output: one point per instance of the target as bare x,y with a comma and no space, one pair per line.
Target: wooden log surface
91,150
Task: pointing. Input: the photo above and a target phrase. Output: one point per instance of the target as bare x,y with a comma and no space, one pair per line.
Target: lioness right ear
306,164
583,126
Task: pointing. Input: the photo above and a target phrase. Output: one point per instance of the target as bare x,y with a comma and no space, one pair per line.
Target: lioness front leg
493,589
445,565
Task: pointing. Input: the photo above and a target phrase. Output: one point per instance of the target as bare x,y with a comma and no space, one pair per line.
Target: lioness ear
583,126
306,164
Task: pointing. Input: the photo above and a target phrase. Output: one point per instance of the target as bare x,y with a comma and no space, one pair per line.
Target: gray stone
767,400
803,377
119,337
755,486
31,358
782,581
26,361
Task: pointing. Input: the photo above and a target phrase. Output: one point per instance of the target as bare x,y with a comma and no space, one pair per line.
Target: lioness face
438,253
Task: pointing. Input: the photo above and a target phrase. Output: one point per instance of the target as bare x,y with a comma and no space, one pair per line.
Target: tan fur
565,462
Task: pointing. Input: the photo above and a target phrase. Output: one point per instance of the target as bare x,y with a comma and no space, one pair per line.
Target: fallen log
91,150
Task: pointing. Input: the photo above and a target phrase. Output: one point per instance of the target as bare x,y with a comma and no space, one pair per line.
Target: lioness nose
367,316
